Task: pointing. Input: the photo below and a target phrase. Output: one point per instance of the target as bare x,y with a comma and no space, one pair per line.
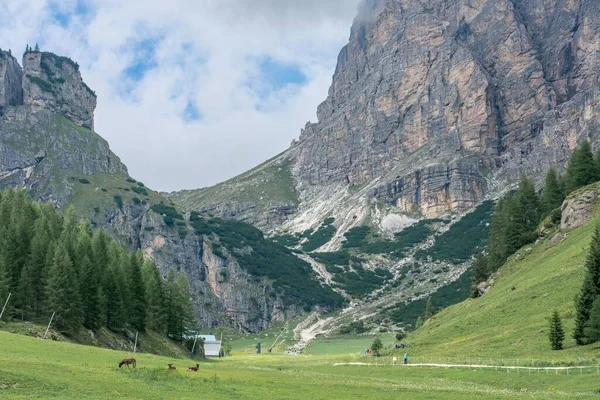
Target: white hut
212,346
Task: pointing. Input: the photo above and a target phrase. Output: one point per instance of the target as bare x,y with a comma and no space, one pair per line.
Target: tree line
517,215
515,223
54,262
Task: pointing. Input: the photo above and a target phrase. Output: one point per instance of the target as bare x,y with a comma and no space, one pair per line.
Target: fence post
51,318
3,308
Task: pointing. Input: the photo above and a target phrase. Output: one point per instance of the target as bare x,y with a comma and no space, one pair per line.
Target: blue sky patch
191,112
63,17
278,74
144,58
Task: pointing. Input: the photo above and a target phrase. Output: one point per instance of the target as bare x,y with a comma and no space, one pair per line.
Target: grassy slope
267,183
508,320
33,368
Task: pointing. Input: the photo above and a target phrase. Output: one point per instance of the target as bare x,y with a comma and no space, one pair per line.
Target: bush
131,180
42,84
166,211
84,181
140,190
119,200
136,200
464,239
323,235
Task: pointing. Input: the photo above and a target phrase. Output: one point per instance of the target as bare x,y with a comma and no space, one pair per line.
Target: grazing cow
128,362
194,369
171,366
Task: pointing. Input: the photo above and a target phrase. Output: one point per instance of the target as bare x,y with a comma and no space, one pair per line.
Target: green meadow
34,368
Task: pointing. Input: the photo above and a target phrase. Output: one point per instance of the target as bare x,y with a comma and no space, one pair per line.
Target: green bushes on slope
292,277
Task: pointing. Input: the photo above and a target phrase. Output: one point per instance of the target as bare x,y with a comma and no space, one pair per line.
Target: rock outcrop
11,92
579,207
437,189
54,83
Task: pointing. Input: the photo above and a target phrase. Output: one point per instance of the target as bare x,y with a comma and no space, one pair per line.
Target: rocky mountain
435,107
49,148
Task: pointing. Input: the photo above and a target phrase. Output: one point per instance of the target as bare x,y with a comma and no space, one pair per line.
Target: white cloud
207,52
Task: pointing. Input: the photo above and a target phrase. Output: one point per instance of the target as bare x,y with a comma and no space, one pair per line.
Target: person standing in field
405,358
394,361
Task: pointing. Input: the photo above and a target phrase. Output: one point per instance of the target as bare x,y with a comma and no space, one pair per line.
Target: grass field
510,321
34,368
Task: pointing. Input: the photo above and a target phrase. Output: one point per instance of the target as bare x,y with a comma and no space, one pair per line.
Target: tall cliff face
11,92
483,72
427,90
54,83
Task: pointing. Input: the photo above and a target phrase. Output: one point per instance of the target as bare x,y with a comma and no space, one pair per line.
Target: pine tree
186,306
552,196
63,293
497,246
429,309
90,294
419,322
178,306
154,296
582,169
557,334
37,263
25,293
4,291
481,273
114,309
137,298
592,327
590,288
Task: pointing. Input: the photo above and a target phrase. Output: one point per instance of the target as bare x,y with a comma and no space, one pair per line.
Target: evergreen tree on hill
154,296
481,273
552,195
63,293
137,293
557,333
4,292
37,263
497,246
592,327
589,290
582,168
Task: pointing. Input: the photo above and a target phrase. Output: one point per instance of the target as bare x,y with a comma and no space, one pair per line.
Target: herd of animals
132,362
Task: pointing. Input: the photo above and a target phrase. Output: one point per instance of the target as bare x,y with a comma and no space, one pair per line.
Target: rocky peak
54,83
11,92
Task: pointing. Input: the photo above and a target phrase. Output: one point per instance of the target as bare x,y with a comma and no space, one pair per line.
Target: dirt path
498,367
306,331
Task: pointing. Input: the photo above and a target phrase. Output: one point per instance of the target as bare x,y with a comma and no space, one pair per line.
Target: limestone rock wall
435,190
54,83
490,76
11,92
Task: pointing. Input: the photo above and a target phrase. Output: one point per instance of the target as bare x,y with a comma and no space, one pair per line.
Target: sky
192,92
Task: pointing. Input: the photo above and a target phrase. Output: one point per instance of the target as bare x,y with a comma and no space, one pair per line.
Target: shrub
42,84
323,235
464,239
119,200
136,200
167,211
131,180
84,181
140,190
